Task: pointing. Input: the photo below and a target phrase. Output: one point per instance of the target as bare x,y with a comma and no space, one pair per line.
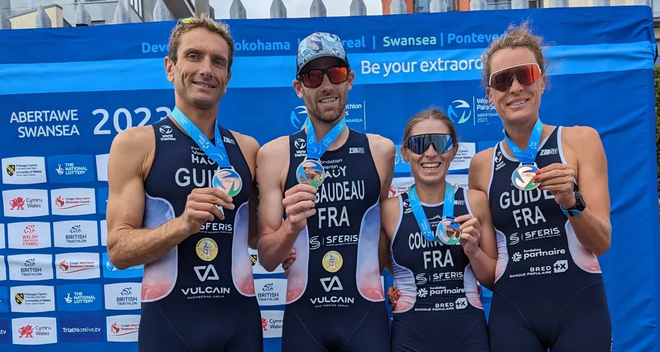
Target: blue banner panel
66,95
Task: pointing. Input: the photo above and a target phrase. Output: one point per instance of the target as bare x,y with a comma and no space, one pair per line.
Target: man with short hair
182,202
326,180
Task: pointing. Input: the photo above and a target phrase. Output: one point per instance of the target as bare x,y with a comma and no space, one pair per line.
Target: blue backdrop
65,94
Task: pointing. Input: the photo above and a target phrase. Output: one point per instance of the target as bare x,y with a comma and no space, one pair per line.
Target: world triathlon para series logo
459,111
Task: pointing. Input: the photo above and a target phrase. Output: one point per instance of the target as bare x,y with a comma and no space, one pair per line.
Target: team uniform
438,309
199,296
549,291
335,298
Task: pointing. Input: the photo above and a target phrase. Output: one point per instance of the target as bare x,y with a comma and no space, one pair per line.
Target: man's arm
277,236
128,245
250,147
131,154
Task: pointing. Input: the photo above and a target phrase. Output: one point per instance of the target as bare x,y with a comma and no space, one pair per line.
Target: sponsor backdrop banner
65,94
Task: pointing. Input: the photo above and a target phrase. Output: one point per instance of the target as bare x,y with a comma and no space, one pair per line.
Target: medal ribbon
418,211
529,155
216,152
315,150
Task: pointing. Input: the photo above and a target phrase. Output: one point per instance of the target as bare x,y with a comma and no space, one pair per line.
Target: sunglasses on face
314,78
419,144
526,74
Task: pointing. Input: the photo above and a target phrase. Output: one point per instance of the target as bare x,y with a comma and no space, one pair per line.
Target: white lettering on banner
40,117
122,119
403,67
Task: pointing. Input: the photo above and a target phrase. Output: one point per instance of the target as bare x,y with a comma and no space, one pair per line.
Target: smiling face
201,71
327,102
431,166
518,103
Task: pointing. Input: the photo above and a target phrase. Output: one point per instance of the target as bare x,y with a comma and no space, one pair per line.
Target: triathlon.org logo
459,107
299,117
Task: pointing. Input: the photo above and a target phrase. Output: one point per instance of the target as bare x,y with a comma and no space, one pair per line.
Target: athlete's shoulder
381,146
480,170
580,135
134,140
246,142
482,159
274,150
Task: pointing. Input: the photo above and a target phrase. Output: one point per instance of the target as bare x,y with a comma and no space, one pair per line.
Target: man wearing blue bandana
326,181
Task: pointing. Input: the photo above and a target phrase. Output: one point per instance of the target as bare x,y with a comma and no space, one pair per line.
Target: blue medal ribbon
420,216
527,157
315,149
216,152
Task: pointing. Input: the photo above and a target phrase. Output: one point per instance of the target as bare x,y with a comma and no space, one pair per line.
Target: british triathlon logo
298,117
459,111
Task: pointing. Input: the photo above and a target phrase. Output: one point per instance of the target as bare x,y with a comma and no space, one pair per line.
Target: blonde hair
185,25
515,37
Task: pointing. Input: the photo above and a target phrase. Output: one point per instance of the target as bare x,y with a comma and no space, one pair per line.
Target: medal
447,231
310,172
523,176
228,181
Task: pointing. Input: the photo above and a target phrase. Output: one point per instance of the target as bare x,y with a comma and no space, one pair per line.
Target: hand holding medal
226,179
471,233
311,171
558,179
523,177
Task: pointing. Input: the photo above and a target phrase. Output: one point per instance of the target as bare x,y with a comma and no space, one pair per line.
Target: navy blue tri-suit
335,297
438,309
549,291
200,296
